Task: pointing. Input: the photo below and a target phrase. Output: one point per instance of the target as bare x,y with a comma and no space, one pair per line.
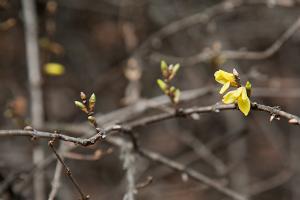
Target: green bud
92,120
92,102
176,96
248,85
174,70
164,68
248,88
172,89
81,106
162,85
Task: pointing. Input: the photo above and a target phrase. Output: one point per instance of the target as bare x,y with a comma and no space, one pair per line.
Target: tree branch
183,113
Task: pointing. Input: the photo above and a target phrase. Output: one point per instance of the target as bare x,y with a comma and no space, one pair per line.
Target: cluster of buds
168,73
87,106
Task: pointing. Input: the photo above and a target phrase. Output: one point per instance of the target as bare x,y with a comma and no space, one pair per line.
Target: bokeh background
113,48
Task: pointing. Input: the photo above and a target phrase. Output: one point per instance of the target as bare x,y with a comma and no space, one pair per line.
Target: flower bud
164,68
162,85
82,96
92,120
81,106
92,102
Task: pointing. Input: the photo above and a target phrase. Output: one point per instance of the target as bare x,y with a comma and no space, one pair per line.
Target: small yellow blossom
240,96
225,78
54,69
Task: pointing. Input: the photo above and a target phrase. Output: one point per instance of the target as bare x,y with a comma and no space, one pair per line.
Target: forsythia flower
225,78
54,69
240,96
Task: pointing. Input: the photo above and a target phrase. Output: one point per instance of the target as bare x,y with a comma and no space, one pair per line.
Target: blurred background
113,48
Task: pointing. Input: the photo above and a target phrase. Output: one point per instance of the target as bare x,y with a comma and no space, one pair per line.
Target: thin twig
68,172
56,181
57,176
293,119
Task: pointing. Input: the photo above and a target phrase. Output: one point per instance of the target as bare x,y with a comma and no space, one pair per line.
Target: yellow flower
225,78
54,69
240,96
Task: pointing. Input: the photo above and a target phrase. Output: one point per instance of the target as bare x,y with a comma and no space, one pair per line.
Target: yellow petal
225,87
224,77
238,92
54,69
230,97
244,105
244,93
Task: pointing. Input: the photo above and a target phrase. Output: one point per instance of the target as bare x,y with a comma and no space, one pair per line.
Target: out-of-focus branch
33,64
36,95
56,181
192,173
128,157
152,156
209,54
269,183
201,17
202,151
57,176
30,171
98,154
